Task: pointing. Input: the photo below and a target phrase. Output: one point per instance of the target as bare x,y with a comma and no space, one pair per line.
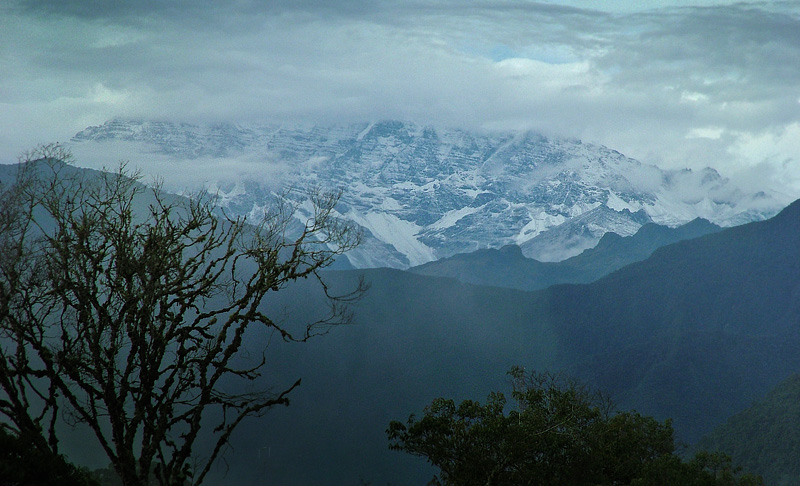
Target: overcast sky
671,82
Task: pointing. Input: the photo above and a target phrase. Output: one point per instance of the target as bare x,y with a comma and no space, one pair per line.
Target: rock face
422,193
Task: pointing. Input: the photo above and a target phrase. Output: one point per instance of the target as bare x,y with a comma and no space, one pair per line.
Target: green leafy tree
558,433
135,322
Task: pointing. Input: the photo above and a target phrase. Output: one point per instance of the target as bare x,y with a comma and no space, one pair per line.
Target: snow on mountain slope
422,193
582,232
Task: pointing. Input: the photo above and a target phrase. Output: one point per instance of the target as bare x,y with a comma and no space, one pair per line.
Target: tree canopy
555,432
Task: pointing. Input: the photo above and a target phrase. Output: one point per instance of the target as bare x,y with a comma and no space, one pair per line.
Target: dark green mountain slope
507,267
695,332
765,438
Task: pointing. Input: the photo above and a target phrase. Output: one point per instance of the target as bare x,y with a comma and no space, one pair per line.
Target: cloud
184,175
677,85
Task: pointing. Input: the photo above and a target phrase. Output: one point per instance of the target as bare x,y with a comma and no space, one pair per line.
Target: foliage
135,321
705,469
765,438
22,464
557,434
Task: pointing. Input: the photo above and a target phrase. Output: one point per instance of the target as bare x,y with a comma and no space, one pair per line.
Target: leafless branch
131,321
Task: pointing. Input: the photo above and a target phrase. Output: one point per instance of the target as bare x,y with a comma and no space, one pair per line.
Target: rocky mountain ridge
422,193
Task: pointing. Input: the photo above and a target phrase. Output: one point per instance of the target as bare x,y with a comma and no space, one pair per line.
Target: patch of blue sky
549,55
501,53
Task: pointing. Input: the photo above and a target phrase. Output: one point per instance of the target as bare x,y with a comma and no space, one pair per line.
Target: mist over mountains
422,193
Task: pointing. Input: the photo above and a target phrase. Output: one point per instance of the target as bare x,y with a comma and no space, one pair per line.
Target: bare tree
136,324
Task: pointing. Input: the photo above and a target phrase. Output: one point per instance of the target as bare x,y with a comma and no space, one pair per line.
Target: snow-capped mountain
422,193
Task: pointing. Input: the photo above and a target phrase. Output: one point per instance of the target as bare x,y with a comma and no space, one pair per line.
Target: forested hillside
765,438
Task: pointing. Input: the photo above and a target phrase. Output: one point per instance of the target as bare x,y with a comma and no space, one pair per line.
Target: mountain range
696,332
422,193
508,267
